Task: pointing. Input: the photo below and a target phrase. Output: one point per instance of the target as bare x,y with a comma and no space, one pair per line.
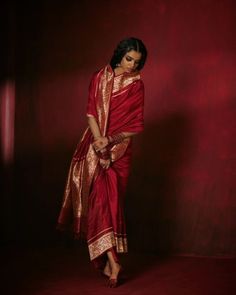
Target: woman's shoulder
98,73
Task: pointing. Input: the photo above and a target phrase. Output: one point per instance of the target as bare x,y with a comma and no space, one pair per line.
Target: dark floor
67,271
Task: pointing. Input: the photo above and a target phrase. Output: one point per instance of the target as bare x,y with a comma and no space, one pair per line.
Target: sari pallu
93,198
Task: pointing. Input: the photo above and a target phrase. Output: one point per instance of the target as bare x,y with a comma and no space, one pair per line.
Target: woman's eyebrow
133,58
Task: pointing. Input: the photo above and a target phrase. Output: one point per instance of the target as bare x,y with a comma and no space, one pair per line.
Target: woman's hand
105,163
100,143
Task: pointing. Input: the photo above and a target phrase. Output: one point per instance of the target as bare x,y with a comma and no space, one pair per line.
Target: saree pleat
107,206
93,203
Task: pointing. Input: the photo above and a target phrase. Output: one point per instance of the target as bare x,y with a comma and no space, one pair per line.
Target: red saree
94,197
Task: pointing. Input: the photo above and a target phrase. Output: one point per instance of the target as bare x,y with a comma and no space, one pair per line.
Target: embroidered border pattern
122,81
106,242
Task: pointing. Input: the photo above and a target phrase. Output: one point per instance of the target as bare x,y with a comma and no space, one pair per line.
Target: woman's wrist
96,137
115,138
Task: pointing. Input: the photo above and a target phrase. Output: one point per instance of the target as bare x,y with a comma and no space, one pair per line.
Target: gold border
124,80
107,241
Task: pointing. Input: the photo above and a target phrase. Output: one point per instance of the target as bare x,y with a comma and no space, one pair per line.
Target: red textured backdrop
181,195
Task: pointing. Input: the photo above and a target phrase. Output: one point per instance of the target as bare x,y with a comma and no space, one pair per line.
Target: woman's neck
118,71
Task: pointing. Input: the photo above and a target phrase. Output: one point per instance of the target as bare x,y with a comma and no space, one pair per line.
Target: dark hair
125,46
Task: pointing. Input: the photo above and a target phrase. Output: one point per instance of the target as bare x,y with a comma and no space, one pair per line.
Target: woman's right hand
100,143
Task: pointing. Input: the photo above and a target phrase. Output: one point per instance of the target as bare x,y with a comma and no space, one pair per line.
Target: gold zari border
124,80
106,242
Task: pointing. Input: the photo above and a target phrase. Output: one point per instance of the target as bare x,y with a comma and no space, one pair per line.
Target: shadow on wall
31,204
153,189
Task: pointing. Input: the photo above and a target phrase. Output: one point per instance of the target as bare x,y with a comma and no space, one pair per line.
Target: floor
65,270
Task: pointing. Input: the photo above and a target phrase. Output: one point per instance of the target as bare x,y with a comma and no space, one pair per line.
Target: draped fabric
94,197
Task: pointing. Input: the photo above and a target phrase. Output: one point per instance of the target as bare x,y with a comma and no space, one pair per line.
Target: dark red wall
181,195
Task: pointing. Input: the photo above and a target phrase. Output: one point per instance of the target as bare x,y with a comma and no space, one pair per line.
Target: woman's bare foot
114,278
115,269
107,269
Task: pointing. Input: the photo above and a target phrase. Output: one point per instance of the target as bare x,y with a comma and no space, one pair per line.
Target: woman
94,193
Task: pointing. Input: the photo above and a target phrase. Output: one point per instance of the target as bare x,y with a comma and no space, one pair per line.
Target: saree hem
105,242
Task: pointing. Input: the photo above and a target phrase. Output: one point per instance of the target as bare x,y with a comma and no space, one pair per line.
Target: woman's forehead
134,54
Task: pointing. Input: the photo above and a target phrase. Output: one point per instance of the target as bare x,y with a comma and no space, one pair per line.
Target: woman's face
130,61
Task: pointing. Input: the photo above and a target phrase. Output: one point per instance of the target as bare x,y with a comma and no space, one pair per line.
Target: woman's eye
128,59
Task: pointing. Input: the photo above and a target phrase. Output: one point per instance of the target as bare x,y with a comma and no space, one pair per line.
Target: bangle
115,138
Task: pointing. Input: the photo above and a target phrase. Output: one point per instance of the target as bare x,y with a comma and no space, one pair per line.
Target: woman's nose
133,63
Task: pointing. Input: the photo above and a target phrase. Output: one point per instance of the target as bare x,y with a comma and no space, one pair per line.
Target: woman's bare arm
129,134
100,142
93,125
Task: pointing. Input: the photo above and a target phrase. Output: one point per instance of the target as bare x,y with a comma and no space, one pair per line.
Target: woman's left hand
105,163
100,143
